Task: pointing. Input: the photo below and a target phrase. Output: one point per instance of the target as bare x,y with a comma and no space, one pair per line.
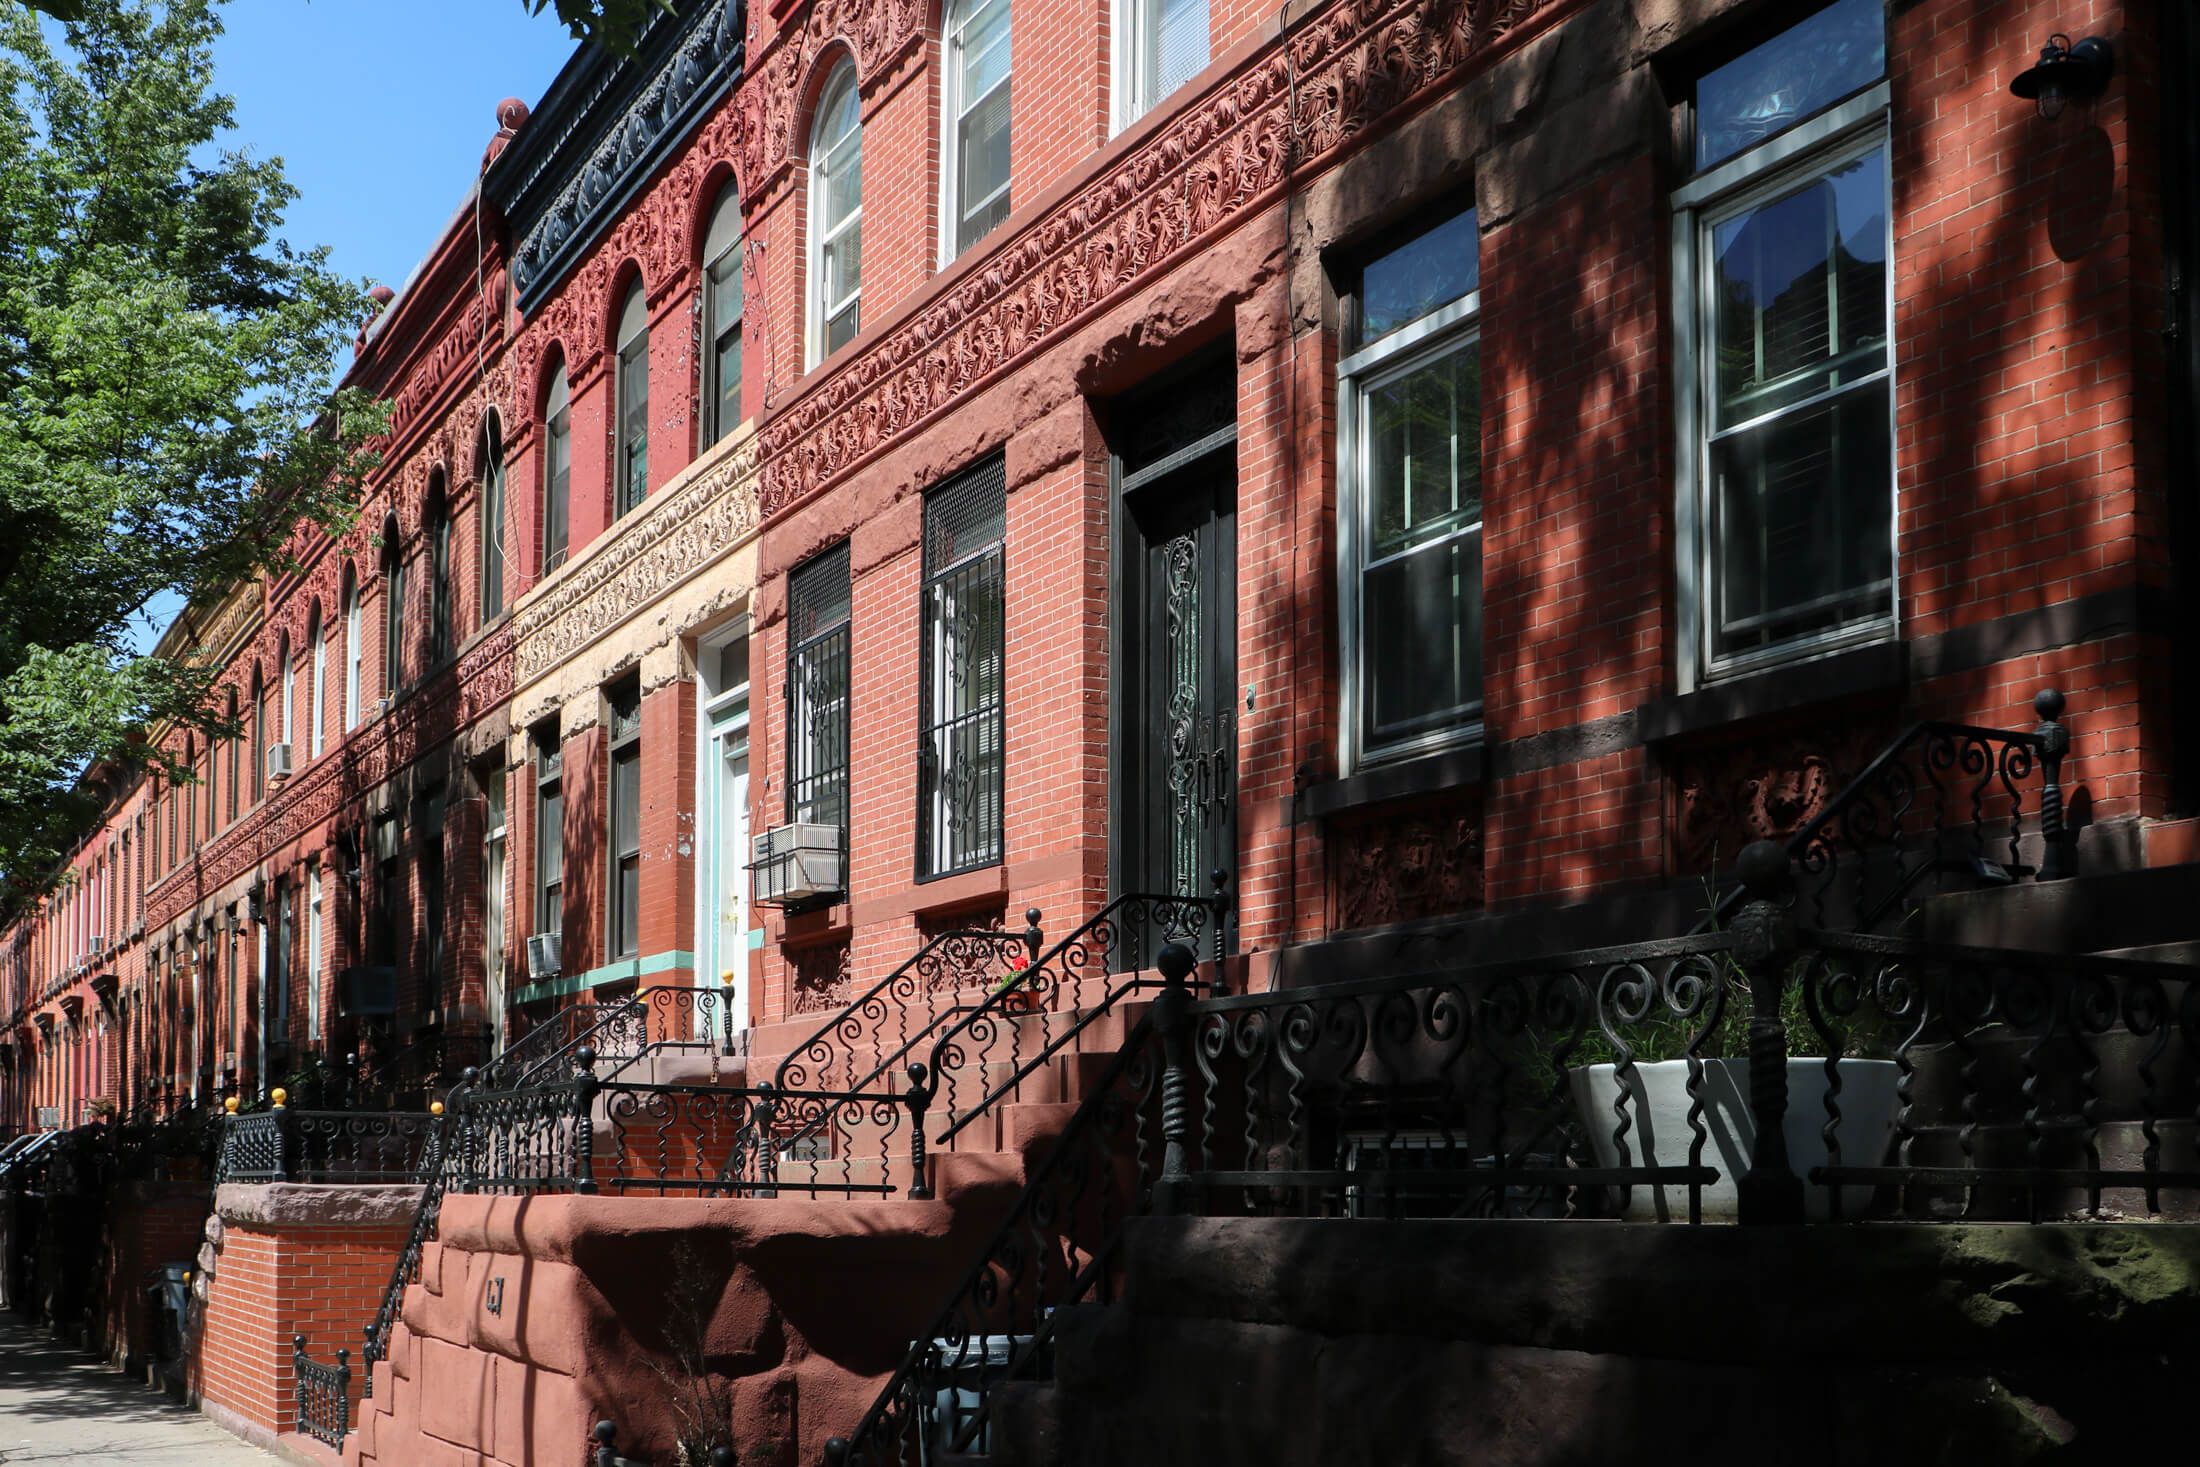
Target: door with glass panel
724,907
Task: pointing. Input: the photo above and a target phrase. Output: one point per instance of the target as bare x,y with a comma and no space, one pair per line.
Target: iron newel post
1764,946
2054,743
919,1098
1172,1015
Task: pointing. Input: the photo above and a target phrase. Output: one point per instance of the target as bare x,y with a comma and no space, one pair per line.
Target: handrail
950,953
1878,801
435,1171
1178,917
555,1035
538,1071
879,1439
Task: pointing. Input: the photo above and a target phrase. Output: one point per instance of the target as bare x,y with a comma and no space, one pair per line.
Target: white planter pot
1659,1133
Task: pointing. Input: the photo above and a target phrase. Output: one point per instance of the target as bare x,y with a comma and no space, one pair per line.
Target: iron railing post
1765,946
584,1127
343,1393
1172,1016
303,1423
1034,938
2054,741
1221,879
919,1096
286,1135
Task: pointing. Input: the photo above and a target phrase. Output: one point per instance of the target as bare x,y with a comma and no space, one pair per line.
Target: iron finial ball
435,1107
1763,867
1176,962
230,1105
279,1096
2048,704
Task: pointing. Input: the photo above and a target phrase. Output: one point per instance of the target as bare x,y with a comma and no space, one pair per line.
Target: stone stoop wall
1281,1342
286,1259
537,1317
148,1224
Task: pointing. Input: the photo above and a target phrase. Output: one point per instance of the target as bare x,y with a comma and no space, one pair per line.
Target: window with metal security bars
961,699
818,604
1782,248
626,819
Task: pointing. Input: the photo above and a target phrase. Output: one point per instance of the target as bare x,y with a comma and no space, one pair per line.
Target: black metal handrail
1868,825
560,1033
436,1172
324,1394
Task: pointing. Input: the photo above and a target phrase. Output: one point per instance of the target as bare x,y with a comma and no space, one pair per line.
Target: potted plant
1652,1094
1016,998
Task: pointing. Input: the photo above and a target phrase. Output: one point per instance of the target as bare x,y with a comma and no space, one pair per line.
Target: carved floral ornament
684,532
1346,69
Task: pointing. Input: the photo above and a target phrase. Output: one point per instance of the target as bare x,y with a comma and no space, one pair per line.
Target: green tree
613,23
165,417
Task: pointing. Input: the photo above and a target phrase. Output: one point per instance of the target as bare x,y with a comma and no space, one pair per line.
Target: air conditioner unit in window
543,954
97,943
798,863
278,761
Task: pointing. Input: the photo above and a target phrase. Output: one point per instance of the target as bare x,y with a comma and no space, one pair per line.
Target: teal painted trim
619,972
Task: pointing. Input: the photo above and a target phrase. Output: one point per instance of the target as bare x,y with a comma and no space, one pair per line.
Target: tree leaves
165,417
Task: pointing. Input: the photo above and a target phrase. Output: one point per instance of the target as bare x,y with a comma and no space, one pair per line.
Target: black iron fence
1763,1074
557,1034
287,1144
324,1394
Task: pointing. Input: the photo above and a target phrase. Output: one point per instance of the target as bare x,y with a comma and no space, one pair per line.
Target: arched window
439,572
557,470
489,475
975,169
722,317
259,738
354,649
317,640
633,406
393,610
836,214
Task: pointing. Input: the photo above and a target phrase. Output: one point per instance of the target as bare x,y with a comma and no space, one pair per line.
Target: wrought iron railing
324,1394
586,1135
969,999
1942,799
287,1144
1765,1072
559,1033
436,1169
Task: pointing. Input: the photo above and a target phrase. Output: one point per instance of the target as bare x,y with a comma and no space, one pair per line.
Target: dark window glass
492,523
549,832
1427,272
626,820
633,388
960,701
557,473
818,596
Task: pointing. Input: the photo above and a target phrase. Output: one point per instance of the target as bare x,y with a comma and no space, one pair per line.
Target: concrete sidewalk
58,1406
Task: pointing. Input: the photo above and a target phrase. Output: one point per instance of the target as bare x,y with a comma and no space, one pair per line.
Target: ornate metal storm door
1176,720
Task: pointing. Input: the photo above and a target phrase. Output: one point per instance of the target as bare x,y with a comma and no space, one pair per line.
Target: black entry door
1176,731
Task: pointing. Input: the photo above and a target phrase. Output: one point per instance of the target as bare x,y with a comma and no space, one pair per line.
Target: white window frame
822,310
1840,134
954,107
354,655
1442,331
316,709
716,263
1134,91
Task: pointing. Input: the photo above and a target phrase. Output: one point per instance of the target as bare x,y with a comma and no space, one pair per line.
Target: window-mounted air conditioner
278,761
798,863
98,943
543,955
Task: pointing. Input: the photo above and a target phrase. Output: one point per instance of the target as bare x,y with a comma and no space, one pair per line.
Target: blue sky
379,110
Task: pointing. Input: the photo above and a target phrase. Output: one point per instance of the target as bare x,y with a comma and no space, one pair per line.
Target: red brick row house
1481,461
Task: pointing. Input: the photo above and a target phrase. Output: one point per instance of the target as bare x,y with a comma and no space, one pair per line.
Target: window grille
962,696
819,598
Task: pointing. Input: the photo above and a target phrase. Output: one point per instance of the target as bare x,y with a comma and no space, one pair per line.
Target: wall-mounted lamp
2067,73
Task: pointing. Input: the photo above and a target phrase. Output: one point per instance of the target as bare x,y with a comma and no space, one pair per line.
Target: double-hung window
633,463
625,708
1410,502
722,318
549,830
1159,46
976,110
492,523
1781,247
959,739
440,613
836,215
557,471
393,615
818,604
